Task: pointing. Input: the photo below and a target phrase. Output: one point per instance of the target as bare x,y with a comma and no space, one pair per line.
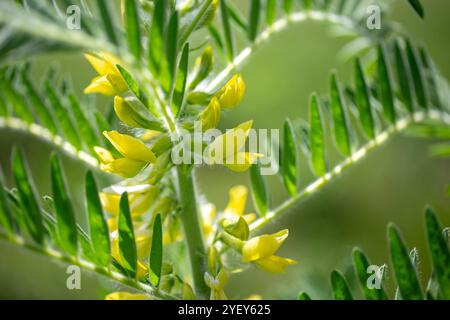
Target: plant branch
115,276
45,135
192,231
379,140
279,26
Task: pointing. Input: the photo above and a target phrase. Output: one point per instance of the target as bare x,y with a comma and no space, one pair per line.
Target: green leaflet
229,41
63,116
303,296
156,252
127,243
340,118
404,77
259,190
180,83
87,132
363,102
317,139
271,11
132,28
255,13
171,52
156,37
340,288
404,270
4,110
361,264
66,225
417,5
132,84
104,11
386,94
287,6
28,197
440,254
237,18
6,217
289,159
42,111
98,228
19,105
417,76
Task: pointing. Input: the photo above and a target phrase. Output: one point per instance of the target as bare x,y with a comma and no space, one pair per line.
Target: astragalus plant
170,69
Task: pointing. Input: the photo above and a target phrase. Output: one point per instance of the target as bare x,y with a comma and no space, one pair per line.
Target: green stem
193,232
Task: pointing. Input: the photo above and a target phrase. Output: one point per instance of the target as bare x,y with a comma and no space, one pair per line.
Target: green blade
259,190
362,264
28,197
417,76
104,11
303,296
289,159
180,83
340,118
156,37
132,27
255,13
271,11
6,217
171,52
98,228
440,254
65,217
404,77
127,243
404,270
340,288
386,91
156,252
365,107
417,5
317,140
229,41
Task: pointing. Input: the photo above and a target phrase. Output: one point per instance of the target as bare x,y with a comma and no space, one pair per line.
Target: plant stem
192,231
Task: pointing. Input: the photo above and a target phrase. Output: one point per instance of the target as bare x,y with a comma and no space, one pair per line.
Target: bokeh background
393,184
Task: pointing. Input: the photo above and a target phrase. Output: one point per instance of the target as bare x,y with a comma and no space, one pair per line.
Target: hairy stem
192,231
360,154
86,265
279,26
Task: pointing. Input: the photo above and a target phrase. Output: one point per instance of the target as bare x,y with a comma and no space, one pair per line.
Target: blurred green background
393,184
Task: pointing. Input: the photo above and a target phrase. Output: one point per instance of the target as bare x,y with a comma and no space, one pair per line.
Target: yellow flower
136,155
211,115
109,82
140,202
232,93
125,113
208,212
217,284
226,149
237,202
260,250
127,296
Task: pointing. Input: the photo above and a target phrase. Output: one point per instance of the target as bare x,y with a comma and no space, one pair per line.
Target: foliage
152,208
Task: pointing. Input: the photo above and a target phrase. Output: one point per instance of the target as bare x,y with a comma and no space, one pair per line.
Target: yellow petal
127,296
140,203
130,147
126,168
103,63
263,246
232,93
238,199
142,270
229,144
104,155
211,115
275,264
242,161
101,85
